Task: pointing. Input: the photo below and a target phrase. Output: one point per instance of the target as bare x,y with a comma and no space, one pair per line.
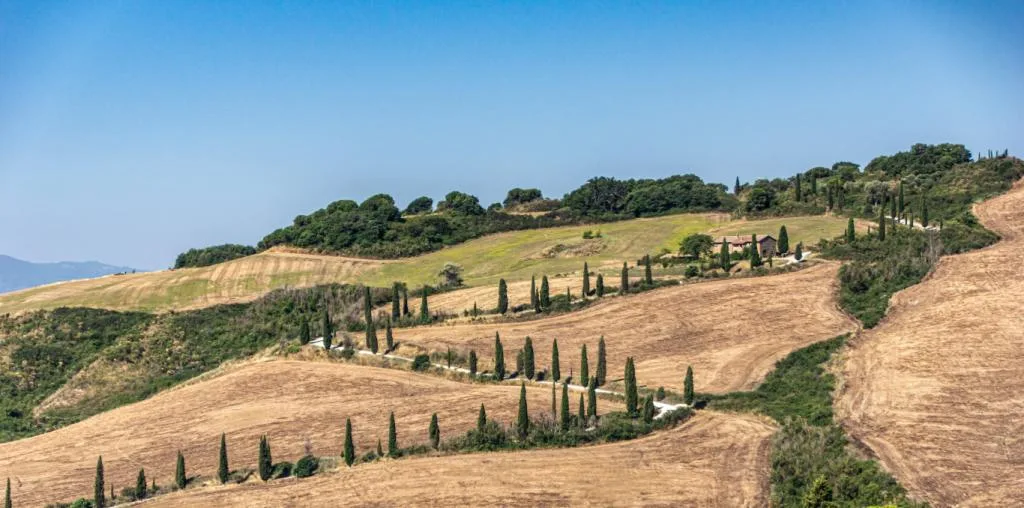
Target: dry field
732,331
238,280
937,389
289,401
714,459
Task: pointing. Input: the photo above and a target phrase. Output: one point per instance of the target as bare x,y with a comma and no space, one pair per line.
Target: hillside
934,390
16,274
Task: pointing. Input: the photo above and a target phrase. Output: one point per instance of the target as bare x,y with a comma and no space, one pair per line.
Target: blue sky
130,131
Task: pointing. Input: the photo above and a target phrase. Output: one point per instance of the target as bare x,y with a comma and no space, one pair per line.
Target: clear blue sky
133,130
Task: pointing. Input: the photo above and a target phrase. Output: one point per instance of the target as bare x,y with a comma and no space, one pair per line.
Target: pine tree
99,493
736,187
405,301
389,336
424,310
222,461
723,256
304,331
523,420
649,408
545,293
481,419
799,254
584,366
141,485
533,292
755,256
349,450
648,276
900,202
586,280
624,282
556,370
472,362
851,233
7,495
396,296
600,285
799,191
265,463
434,432
783,246
631,391
881,221
180,478
499,358
392,436
602,363
502,297
528,360
592,398
582,412
688,386
566,416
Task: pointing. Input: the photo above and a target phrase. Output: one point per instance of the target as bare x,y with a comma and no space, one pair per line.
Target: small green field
800,229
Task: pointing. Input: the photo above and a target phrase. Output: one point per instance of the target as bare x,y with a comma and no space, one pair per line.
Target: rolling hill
16,274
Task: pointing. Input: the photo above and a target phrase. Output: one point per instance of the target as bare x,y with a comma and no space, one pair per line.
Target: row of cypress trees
526,362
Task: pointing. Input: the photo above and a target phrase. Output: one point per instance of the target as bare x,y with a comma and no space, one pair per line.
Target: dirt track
937,389
287,400
713,460
731,331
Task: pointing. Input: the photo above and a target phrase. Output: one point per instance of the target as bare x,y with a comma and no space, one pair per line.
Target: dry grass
713,460
937,389
732,331
287,400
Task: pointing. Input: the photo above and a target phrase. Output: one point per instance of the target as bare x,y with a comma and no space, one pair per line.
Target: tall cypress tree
632,397
380,450
624,279
349,450
264,462
367,305
523,420
582,412
649,408
528,360
521,361
566,416
180,478
405,300
499,358
545,293
586,280
724,257
533,292
328,333
392,436
799,190
371,337
434,432
755,256
592,398
481,419
556,370
648,276
502,297
736,187
881,221
688,386
814,186
424,309
472,362
799,254
602,363
851,233
304,331
829,198
222,460
584,366
892,213
600,285
536,303
99,493
7,495
389,336
396,296
141,485
900,201
783,246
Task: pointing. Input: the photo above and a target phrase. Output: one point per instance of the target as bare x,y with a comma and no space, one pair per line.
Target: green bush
306,466
421,362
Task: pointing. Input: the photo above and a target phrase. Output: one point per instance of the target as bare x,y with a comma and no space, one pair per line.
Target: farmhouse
765,244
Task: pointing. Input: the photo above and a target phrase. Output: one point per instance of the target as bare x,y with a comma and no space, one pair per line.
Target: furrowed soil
289,401
936,390
714,459
732,331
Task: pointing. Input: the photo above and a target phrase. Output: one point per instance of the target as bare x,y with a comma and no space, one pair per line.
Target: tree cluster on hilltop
212,255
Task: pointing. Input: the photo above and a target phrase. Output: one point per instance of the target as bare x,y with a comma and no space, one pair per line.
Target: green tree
900,201
724,257
624,282
528,360
434,432
755,256
851,232
389,336
783,246
631,389
371,337
304,331
799,254
697,246
556,370
502,297
688,386
7,495
566,416
586,280
602,363
736,187
818,495
536,303
328,333
405,301
582,412
521,361
533,292
424,310
499,358
222,460
349,450
472,362
396,296
380,450
600,285
392,436
141,485
592,398
648,276
523,420
265,463
799,190
648,409
481,419
924,211
881,221
99,493
584,366
545,293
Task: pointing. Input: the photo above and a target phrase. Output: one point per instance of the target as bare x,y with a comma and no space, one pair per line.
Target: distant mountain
17,274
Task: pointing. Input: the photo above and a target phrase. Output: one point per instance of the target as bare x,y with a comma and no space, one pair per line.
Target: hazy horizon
130,132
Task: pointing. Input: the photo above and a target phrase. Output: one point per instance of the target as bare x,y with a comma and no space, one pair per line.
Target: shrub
306,466
281,470
421,362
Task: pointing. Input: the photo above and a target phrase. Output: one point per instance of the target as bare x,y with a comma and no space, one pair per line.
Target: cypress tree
631,391
568,294
99,493
499,358
265,463
180,479
600,285
829,199
648,276
392,436
536,303
481,419
533,292
688,386
799,254
736,187
649,408
371,337
7,495
140,485
841,200
582,413
851,232
405,301
528,363
424,310
755,256
799,191
521,361
566,416
472,362
584,366
389,336
545,293
924,211
367,305
380,450
475,311
586,280
783,246
434,432
222,460
502,297
396,296
328,334
592,398
814,186
523,420
624,282
349,450
554,410
723,256
602,363
881,221
304,331
899,204
556,370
